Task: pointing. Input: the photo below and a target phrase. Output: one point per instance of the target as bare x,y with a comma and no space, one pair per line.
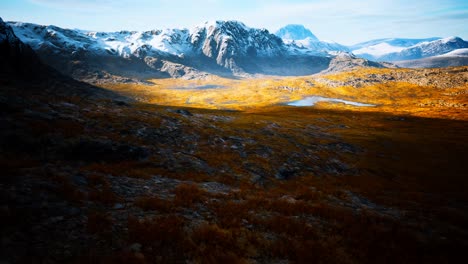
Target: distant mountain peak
295,32
225,22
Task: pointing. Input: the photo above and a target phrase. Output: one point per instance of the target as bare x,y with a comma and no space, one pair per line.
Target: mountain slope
21,69
16,58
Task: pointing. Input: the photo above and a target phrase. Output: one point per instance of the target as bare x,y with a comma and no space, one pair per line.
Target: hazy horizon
335,20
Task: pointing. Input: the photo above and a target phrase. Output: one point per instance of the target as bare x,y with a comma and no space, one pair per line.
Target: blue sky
343,21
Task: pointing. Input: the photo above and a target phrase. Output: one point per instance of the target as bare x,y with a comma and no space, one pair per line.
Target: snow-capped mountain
301,39
406,49
295,32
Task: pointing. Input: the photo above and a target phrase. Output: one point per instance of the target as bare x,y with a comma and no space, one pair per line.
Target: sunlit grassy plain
395,97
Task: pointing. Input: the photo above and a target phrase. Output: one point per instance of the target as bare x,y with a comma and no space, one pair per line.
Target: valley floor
222,171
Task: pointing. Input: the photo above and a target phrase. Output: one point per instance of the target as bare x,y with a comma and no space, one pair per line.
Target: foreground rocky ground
116,181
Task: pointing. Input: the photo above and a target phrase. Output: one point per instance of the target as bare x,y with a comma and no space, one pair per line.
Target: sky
344,21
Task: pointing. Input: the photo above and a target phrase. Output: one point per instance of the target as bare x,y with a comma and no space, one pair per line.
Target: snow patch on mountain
126,43
36,36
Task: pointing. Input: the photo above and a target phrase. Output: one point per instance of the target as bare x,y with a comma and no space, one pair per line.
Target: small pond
312,100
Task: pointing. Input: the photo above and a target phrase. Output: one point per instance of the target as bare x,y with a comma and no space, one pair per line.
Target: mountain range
407,49
224,48
220,48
